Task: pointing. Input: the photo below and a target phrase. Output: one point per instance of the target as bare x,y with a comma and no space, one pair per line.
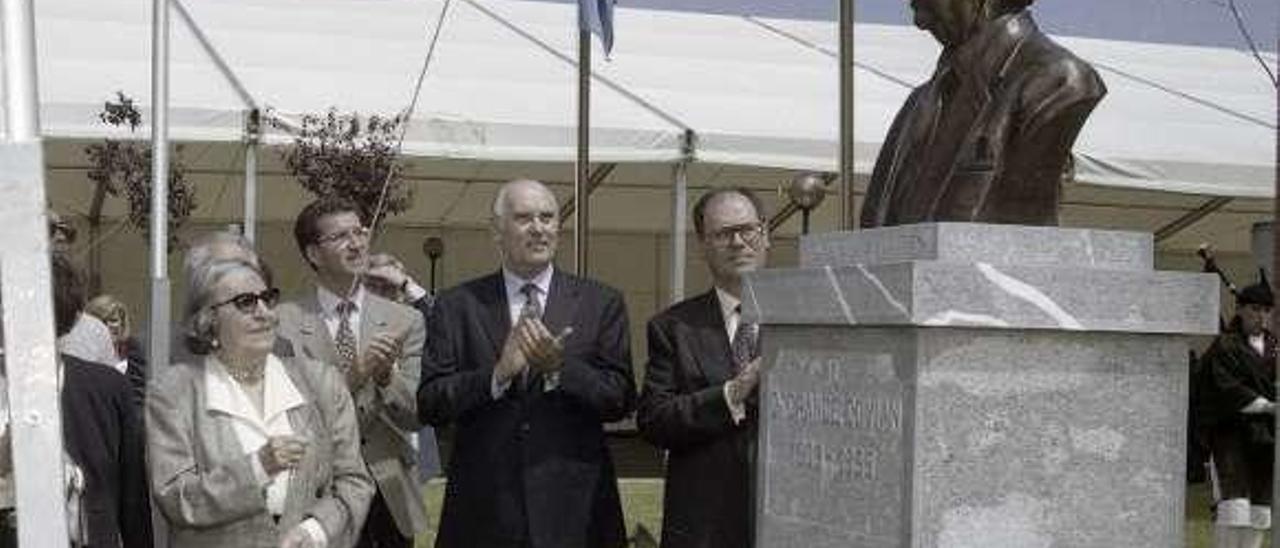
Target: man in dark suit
698,401
375,343
528,363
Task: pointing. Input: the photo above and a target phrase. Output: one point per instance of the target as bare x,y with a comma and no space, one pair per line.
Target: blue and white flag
596,16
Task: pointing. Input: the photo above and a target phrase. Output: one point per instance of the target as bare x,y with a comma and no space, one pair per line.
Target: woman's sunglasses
248,302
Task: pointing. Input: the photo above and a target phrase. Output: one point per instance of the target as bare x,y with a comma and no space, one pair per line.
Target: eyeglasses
358,233
62,230
248,302
752,234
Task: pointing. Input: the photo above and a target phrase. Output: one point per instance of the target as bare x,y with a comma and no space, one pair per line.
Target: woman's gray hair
200,250
200,330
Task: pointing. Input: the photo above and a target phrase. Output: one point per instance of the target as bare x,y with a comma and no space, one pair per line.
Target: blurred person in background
131,358
89,338
247,448
105,467
387,277
1236,408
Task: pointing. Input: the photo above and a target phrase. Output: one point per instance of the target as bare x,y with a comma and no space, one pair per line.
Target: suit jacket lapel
712,340
496,316
372,321
306,423
315,335
562,301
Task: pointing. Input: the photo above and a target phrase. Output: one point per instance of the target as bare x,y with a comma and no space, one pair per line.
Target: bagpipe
1210,266
1197,470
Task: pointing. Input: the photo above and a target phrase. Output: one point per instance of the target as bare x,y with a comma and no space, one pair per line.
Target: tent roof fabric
755,92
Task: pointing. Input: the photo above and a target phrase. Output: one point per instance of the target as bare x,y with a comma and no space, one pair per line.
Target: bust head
952,22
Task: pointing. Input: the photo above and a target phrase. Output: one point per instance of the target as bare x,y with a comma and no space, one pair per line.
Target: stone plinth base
958,385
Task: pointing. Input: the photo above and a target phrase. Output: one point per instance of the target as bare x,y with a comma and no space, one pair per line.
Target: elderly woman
248,449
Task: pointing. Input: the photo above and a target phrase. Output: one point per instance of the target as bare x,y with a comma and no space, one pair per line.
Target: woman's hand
281,453
299,537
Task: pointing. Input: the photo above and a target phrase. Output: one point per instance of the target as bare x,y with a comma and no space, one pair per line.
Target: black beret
1259,293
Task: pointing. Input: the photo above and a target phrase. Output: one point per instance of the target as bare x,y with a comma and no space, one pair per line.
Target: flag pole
581,196
846,115
1275,316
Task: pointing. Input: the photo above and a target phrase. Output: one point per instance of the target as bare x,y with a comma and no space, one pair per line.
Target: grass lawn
642,506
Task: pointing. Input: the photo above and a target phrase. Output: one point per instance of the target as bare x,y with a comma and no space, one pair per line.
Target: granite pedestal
984,386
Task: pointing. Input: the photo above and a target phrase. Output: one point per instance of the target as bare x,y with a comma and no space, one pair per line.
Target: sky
1193,22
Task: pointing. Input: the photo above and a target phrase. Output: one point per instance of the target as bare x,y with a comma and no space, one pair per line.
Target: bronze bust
987,138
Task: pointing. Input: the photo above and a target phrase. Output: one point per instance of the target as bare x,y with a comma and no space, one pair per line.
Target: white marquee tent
1181,126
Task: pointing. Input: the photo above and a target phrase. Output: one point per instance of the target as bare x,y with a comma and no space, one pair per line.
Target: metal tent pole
680,216
251,136
34,422
581,194
679,229
158,354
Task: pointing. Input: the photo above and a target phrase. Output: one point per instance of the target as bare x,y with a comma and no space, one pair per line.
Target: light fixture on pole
433,248
806,191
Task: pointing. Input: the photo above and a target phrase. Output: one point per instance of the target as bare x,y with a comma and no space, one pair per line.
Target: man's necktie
531,307
744,346
345,339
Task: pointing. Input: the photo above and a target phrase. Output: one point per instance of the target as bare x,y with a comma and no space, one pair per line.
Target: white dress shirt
252,428
329,302
515,303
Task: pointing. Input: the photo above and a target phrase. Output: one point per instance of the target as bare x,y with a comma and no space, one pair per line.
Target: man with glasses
376,343
699,401
529,363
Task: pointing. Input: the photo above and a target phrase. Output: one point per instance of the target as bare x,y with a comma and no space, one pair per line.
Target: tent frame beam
1191,217
253,121
597,178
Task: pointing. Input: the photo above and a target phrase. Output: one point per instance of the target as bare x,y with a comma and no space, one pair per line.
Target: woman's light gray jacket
204,482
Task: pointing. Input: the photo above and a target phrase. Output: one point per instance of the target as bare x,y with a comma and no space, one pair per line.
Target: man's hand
742,385
281,453
544,351
380,357
512,361
387,274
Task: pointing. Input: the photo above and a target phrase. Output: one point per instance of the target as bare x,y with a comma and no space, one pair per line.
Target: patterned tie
745,345
345,340
531,307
